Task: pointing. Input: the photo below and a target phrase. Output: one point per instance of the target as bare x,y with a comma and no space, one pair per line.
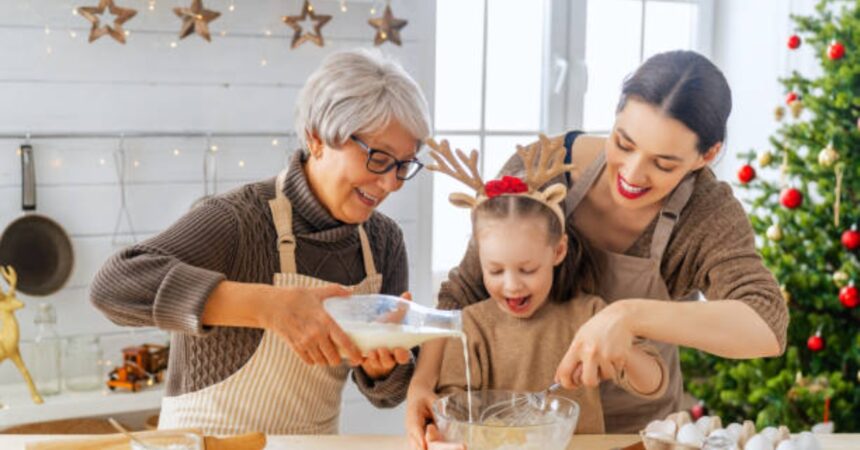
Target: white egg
724,433
664,427
703,424
734,430
770,433
691,435
807,441
660,436
759,442
787,444
721,441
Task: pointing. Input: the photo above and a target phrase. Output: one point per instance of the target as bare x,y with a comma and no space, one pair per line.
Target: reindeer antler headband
542,163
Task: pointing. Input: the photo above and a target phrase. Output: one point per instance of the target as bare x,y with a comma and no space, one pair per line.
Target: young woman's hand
599,349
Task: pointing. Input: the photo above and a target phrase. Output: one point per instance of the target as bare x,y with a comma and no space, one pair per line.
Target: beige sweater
510,353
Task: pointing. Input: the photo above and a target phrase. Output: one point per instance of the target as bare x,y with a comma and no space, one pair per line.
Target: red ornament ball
746,174
835,50
815,343
794,41
790,98
851,239
698,410
791,198
848,296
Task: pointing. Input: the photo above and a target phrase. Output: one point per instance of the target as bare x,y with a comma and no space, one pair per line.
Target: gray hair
359,91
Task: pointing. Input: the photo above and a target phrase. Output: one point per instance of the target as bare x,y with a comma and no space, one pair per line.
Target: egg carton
679,432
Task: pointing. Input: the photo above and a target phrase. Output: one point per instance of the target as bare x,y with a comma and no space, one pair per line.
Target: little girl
518,336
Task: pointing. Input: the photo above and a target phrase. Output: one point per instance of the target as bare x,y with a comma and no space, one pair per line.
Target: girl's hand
419,401
435,441
380,362
600,347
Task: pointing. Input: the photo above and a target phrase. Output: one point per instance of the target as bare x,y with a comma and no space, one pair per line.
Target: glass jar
45,354
82,368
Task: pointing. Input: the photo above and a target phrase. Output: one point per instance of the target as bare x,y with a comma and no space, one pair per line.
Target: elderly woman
250,354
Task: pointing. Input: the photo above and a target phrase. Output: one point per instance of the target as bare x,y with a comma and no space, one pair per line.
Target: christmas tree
805,220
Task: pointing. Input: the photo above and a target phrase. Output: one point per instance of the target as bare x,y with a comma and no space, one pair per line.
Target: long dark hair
687,87
577,273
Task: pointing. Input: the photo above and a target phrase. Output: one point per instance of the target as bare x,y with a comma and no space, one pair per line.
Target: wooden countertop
358,442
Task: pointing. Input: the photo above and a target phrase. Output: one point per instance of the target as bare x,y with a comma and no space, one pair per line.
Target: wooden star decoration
387,27
195,19
94,13
295,22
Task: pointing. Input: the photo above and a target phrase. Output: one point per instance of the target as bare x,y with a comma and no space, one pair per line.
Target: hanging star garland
94,13
195,19
295,22
387,27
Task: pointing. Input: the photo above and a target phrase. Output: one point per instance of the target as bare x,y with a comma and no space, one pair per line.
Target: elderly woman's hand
599,349
380,362
298,316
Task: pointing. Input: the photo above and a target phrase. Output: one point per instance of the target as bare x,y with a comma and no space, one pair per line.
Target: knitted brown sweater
512,353
166,280
712,251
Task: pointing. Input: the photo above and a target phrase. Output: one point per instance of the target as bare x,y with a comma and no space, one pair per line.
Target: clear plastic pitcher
375,321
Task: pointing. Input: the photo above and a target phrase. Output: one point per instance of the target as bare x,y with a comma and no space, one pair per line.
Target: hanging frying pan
36,246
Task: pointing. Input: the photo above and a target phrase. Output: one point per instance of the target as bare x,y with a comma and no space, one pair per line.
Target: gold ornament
121,16
858,376
840,278
796,108
195,19
765,158
828,156
779,113
774,232
9,335
300,37
785,294
387,27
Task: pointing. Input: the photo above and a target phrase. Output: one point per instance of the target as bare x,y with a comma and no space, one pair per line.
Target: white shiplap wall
54,82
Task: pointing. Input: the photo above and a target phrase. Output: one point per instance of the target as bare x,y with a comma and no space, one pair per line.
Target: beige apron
623,276
275,392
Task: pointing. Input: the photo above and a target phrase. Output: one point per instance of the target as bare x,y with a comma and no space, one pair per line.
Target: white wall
750,47
52,82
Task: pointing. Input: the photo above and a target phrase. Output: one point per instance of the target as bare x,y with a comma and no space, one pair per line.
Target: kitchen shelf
17,407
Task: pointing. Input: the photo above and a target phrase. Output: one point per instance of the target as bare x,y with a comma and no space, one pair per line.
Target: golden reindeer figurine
9,333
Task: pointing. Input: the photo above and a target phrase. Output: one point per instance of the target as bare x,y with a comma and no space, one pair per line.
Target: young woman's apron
275,392
623,276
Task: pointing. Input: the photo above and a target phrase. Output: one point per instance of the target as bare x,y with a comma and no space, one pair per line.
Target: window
508,69
650,27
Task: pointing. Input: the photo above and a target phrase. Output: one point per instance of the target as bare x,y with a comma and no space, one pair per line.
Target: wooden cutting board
249,441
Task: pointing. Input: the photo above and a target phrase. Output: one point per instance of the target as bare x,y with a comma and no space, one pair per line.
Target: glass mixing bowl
503,420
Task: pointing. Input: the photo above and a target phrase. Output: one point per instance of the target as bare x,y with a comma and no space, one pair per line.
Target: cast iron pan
36,246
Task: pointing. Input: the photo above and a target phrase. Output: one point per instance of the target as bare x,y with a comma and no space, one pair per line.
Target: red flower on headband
507,185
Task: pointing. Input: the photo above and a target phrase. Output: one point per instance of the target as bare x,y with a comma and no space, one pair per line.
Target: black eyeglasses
380,162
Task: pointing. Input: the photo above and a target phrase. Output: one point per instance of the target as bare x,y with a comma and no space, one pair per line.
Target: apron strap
669,216
282,215
369,266
581,187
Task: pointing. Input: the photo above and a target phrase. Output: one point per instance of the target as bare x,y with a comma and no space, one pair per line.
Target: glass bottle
45,361
82,370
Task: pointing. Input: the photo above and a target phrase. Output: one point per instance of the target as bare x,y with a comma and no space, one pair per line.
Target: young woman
663,229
